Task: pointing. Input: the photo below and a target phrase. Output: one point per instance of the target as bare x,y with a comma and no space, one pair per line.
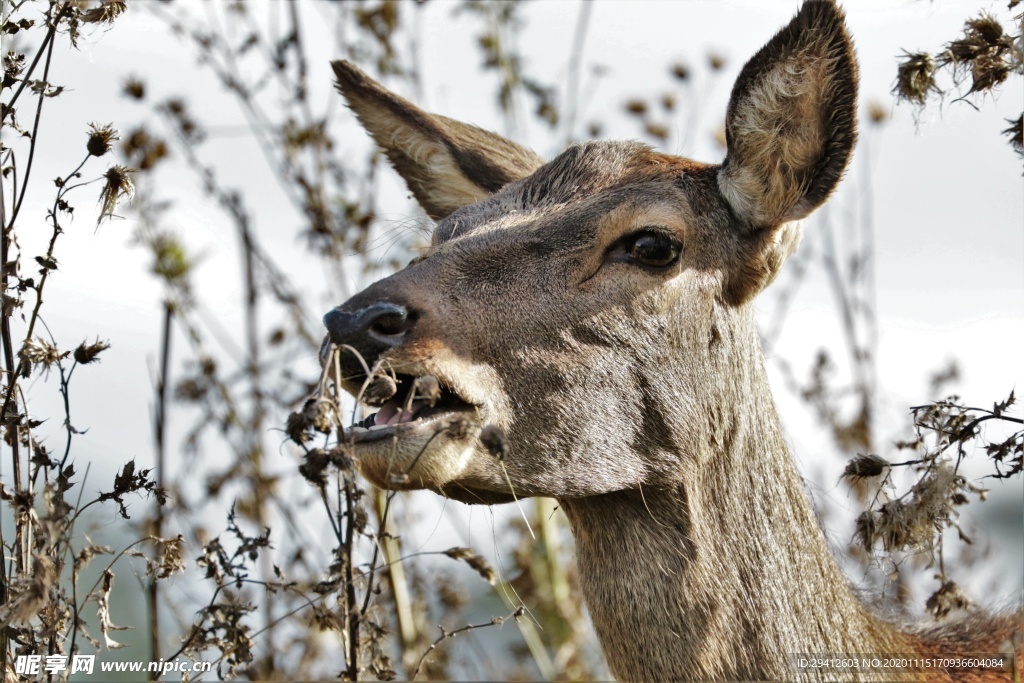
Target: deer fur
636,395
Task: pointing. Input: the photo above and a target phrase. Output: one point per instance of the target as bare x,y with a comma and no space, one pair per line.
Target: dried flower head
135,88
320,415
716,61
379,390
314,467
680,71
877,113
984,52
862,466
636,106
118,185
915,78
100,139
39,351
89,353
105,13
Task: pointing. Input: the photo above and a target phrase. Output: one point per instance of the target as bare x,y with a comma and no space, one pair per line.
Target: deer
594,315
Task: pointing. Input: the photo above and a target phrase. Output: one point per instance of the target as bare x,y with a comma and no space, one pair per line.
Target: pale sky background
948,204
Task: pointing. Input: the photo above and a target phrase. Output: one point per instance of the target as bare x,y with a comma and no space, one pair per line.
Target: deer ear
446,164
791,123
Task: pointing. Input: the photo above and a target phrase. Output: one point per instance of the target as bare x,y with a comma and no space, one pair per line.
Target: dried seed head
107,11
863,466
100,139
493,439
379,390
39,351
637,107
135,89
427,388
320,415
314,467
716,61
315,414
680,71
915,78
877,113
119,185
89,353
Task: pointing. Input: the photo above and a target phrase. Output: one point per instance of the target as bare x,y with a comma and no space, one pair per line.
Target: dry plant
915,518
976,64
300,569
55,583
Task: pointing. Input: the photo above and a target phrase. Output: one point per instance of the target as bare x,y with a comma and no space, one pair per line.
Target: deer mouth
417,402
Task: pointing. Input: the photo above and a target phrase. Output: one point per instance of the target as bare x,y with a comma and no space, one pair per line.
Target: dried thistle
89,353
100,139
135,88
636,106
379,390
983,51
105,13
315,414
39,351
915,78
680,71
864,466
314,467
877,113
118,186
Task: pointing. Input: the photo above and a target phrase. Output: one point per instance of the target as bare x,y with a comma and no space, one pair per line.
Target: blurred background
257,204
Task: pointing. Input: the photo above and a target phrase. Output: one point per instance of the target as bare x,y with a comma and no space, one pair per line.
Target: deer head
588,306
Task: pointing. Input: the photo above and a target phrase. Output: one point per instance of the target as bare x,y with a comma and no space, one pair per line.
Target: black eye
652,249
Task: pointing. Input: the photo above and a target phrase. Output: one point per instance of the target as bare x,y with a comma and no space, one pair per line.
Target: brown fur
636,396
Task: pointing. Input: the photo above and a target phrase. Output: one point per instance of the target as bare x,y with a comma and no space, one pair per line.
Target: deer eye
652,249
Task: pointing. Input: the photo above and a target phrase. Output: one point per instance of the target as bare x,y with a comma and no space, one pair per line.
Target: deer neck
725,574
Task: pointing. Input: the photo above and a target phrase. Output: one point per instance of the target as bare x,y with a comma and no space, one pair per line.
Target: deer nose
370,331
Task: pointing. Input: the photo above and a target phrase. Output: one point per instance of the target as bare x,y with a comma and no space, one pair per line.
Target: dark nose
368,332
